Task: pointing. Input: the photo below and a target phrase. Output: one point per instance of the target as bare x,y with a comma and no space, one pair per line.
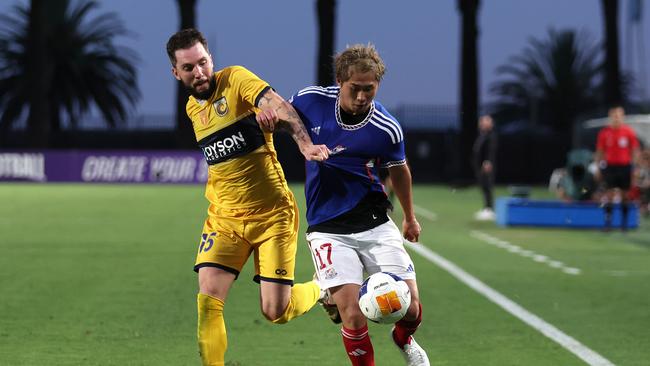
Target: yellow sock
211,330
303,298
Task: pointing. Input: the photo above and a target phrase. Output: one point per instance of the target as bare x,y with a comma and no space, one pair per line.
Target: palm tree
56,63
326,11
469,84
551,82
185,135
613,89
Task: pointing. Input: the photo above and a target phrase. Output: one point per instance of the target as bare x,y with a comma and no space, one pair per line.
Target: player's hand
267,119
411,230
316,152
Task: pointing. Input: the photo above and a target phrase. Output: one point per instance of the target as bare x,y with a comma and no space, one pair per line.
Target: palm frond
556,76
89,69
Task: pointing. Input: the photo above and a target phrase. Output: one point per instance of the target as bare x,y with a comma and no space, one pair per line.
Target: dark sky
418,39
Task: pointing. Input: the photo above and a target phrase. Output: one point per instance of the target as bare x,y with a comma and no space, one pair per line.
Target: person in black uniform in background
484,154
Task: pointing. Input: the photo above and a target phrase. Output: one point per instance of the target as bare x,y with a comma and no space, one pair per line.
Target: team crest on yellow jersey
221,106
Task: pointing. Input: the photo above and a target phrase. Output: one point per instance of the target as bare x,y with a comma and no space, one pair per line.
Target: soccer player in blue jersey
349,229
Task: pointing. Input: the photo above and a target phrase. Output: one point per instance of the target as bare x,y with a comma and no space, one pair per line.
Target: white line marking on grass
515,249
569,343
617,273
625,272
571,271
429,215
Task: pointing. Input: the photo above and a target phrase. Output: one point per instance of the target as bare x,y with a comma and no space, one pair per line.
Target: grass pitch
102,275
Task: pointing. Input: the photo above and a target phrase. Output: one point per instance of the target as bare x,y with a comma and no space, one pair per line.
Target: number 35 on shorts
207,241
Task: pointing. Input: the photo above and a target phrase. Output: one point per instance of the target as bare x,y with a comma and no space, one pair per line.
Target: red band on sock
358,346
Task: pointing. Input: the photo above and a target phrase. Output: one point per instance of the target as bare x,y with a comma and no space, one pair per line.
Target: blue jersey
335,186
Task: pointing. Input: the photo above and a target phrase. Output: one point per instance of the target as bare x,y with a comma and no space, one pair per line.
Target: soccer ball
384,298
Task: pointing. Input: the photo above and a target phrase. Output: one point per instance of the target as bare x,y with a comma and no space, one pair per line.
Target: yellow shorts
230,236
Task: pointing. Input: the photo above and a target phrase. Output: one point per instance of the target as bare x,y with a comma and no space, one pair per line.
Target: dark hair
184,39
615,106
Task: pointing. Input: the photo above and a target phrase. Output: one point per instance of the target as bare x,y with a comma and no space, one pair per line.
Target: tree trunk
39,71
468,88
185,134
326,10
612,93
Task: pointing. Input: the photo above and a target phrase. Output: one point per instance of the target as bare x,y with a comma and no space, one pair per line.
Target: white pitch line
569,343
515,249
429,215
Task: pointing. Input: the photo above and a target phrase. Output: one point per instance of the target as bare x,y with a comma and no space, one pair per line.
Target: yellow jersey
243,170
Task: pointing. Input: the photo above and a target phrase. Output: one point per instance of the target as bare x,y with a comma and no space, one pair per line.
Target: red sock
404,329
358,346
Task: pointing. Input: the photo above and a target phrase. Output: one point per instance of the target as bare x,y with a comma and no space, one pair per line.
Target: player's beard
206,94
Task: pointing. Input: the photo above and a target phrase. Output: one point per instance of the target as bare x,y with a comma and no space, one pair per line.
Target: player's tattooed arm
275,112
288,118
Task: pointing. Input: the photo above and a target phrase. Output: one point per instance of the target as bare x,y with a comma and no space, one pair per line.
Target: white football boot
412,352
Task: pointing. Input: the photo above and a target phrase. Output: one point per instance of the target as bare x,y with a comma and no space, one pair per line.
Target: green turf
101,275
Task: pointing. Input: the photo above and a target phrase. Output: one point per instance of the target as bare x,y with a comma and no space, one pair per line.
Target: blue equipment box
514,211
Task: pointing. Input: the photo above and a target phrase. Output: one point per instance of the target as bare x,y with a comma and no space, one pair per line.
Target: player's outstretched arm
400,176
277,112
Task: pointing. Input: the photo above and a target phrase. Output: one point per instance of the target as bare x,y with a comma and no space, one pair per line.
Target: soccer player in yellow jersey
252,210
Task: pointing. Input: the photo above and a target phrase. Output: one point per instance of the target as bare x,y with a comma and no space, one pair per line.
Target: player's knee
354,321
215,282
274,312
414,309
351,315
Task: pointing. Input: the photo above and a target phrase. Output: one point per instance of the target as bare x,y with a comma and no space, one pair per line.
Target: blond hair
359,58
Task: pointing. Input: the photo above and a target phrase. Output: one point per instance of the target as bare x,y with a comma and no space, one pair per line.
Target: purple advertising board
105,166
